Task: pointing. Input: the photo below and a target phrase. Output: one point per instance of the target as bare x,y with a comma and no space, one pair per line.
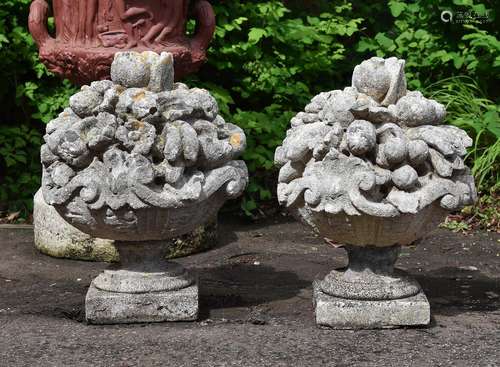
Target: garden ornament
373,167
139,159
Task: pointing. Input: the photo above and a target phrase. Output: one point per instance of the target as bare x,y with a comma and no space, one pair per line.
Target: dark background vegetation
267,60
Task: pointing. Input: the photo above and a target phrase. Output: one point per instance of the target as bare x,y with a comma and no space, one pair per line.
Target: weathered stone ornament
141,159
372,167
55,237
90,32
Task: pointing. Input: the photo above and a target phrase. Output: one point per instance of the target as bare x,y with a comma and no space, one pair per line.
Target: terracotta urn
89,32
373,167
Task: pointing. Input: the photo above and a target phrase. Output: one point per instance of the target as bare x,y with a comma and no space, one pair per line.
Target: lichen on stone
374,148
140,142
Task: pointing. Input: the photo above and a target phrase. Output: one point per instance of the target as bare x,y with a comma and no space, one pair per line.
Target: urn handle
204,15
37,22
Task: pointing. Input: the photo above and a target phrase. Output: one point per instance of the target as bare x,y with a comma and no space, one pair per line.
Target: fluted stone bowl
365,230
148,224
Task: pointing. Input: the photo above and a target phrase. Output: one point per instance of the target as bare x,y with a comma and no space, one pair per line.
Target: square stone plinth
341,313
102,307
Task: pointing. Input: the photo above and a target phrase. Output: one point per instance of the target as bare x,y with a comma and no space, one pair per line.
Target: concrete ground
255,306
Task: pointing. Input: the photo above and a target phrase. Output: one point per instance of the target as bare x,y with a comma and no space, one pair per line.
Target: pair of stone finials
140,159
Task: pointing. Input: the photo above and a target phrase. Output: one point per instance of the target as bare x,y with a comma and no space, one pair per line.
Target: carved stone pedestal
103,307
370,293
143,287
341,313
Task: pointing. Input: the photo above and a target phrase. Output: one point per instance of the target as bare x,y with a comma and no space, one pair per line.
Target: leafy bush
434,49
19,166
29,95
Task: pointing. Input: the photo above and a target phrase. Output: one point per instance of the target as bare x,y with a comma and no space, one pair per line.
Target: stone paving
256,308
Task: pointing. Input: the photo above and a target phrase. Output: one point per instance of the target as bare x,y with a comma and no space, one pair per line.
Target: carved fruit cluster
140,141
374,148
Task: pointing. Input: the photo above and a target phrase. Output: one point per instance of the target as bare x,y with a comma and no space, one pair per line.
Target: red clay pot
89,33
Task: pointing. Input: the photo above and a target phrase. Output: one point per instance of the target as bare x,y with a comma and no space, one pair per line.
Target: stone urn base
57,238
142,287
370,293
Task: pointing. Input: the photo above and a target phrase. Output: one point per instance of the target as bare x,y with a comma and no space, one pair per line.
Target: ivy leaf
255,35
385,41
396,8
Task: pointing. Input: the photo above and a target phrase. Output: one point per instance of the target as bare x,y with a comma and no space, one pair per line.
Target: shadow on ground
453,291
246,285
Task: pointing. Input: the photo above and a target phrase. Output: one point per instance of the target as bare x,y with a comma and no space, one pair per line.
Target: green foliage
485,214
28,94
433,48
264,132
455,225
20,166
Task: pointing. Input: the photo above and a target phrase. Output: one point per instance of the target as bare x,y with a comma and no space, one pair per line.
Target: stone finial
145,70
375,149
382,79
138,145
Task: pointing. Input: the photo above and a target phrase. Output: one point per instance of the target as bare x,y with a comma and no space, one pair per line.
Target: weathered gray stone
361,137
370,167
382,79
102,307
342,313
418,152
414,110
112,174
85,102
131,70
344,174
370,275
56,237
405,177
143,288
141,172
